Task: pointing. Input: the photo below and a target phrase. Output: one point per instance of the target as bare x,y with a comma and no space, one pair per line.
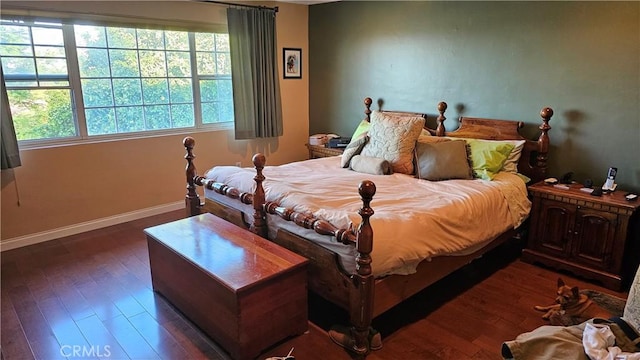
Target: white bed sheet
414,219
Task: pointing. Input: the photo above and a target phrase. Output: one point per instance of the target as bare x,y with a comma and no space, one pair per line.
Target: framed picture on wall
292,59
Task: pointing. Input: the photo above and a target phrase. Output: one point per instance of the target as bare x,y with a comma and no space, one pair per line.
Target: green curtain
10,152
256,90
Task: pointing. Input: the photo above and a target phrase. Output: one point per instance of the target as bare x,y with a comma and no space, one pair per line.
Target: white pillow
393,138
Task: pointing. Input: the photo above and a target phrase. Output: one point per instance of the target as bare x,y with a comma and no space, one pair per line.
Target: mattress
414,219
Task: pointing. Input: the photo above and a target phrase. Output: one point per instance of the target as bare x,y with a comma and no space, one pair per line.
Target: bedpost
361,297
543,141
192,200
259,216
367,110
442,107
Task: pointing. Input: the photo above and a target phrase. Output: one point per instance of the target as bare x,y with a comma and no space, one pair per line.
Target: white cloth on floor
598,342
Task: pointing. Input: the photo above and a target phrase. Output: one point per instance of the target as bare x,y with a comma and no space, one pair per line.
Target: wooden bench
245,292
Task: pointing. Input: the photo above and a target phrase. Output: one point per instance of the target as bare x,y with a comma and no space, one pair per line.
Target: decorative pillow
442,161
362,128
511,164
487,158
370,165
393,138
354,148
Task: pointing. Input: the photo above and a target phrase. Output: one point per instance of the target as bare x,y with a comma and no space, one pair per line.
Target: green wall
504,60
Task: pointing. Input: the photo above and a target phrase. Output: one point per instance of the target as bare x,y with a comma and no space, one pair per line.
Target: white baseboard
31,239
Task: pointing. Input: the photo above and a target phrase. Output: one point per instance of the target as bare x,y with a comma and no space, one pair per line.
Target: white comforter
414,219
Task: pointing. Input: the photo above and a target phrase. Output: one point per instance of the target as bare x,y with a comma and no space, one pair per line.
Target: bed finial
442,107
543,141
361,301
367,105
259,216
192,200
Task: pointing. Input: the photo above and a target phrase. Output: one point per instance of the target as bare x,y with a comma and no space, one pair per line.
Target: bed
333,225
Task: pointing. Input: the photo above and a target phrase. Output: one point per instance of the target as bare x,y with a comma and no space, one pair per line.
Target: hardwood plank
158,337
13,341
100,338
129,338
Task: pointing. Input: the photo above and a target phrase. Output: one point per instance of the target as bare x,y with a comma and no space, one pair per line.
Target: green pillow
487,157
362,128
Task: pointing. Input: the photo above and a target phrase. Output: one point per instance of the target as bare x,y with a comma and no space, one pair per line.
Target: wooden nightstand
587,235
319,151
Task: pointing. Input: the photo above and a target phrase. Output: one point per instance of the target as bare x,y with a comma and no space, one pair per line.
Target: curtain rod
274,9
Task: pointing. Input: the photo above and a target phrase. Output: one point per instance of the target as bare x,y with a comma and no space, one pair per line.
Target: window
68,82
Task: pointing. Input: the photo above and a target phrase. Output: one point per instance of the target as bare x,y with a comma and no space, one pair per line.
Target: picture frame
292,62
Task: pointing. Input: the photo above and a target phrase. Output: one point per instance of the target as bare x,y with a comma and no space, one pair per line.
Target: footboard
360,286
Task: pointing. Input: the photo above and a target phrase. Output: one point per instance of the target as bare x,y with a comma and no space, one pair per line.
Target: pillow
362,128
354,148
393,138
370,165
511,164
442,161
488,157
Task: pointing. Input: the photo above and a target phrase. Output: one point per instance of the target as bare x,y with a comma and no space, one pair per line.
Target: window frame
75,86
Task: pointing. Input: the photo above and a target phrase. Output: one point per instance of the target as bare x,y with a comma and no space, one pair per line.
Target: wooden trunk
245,292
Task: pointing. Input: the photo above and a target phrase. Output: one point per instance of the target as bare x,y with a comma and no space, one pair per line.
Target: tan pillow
354,148
393,138
443,161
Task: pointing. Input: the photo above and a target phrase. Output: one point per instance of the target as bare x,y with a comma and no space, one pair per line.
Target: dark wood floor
90,296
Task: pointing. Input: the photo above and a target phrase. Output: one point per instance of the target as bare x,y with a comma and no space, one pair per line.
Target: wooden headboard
533,161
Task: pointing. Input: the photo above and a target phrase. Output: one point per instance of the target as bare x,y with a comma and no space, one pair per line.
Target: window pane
158,117
100,121
51,67
206,63
42,114
223,64
127,92
225,90
182,115
177,40
15,50
97,92
93,63
130,119
150,39
222,42
121,38
49,51
181,91
124,63
155,91
179,63
152,64
90,36
208,90
47,36
18,66
204,42
216,112
10,34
